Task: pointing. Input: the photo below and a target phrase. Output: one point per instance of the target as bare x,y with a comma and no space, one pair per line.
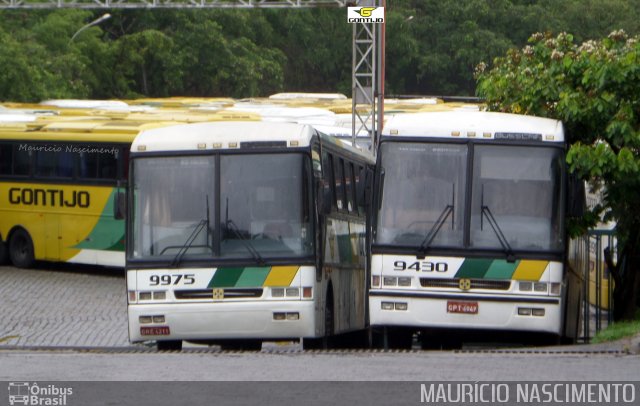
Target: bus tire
4,254
21,249
172,345
328,339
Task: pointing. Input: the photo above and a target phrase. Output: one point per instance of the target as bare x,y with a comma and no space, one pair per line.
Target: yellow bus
62,191
63,171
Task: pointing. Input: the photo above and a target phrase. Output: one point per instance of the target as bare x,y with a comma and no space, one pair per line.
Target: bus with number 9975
245,232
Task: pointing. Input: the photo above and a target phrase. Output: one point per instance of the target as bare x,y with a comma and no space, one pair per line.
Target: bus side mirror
119,205
363,190
576,197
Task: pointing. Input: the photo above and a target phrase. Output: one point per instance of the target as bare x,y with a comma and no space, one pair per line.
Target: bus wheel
21,249
328,339
173,345
4,255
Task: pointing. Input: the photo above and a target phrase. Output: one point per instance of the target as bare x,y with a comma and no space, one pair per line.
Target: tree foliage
432,47
593,88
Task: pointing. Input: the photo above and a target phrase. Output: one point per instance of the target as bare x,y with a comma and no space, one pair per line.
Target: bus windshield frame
250,207
449,196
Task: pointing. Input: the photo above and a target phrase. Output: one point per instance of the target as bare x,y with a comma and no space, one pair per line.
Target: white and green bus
468,228
243,232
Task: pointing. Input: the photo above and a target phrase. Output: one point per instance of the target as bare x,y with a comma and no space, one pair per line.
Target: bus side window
107,166
5,159
328,183
88,165
21,162
339,178
349,186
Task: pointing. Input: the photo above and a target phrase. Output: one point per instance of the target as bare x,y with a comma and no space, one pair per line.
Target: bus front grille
455,283
230,293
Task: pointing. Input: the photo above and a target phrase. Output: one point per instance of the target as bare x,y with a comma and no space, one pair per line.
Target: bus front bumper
432,310
212,321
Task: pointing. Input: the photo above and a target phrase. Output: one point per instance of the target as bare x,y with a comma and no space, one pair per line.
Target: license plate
462,307
155,331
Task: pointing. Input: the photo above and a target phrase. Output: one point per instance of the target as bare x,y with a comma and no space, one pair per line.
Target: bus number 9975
164,280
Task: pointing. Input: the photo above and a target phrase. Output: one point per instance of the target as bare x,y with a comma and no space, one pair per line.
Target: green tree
593,88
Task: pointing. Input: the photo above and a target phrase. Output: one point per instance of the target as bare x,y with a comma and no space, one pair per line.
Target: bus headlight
525,286
404,281
540,287
390,281
555,288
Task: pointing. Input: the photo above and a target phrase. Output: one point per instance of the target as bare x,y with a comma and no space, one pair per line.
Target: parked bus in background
63,174
62,192
468,229
245,232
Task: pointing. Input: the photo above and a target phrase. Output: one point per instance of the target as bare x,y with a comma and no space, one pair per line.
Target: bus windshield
515,197
249,206
423,195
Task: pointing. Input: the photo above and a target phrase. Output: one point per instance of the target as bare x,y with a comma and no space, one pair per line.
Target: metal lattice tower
367,76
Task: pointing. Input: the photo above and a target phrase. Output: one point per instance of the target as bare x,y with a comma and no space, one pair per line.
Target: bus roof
80,131
231,135
473,124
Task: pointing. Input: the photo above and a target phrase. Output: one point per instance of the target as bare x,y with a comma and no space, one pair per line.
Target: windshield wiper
426,243
202,224
435,229
192,237
236,231
256,255
498,231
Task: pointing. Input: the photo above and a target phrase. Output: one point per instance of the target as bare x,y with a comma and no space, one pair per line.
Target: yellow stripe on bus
281,276
530,270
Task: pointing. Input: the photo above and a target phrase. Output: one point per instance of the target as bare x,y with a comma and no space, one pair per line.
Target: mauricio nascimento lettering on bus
528,393
68,148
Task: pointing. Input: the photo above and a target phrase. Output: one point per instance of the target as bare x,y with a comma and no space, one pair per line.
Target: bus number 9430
424,266
164,280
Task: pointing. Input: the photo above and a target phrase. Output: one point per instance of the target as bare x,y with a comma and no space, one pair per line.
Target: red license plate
462,307
155,331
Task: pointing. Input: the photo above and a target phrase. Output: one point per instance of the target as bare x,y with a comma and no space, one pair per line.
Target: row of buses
254,226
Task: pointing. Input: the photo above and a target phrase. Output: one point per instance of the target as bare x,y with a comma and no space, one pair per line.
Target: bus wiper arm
426,243
202,224
256,255
496,229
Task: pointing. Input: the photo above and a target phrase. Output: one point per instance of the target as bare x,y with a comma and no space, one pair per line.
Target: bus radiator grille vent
230,293
455,283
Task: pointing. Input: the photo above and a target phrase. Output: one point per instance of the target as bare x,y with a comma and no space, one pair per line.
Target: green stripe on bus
108,233
253,277
474,268
225,277
501,269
